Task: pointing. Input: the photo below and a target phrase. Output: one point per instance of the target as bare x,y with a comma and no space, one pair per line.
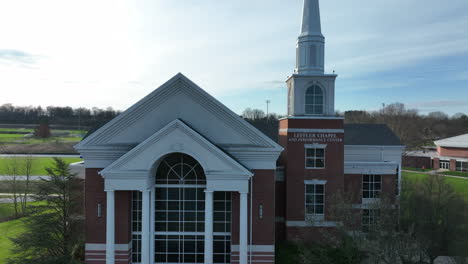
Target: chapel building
180,178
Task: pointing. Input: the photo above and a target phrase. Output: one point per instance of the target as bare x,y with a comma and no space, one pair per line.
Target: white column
208,227
243,229
110,227
145,231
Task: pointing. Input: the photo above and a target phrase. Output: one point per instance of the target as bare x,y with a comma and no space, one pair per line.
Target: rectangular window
315,157
314,199
369,219
462,166
371,186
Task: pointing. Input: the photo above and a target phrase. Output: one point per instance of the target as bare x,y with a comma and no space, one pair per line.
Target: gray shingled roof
454,142
370,134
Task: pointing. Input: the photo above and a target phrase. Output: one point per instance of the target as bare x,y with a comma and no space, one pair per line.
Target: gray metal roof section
370,135
454,142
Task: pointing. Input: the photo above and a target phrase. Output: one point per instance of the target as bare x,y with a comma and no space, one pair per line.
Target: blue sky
114,52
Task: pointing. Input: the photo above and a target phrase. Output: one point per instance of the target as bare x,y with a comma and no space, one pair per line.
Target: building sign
315,137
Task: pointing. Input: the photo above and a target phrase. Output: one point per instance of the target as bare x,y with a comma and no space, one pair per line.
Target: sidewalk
437,172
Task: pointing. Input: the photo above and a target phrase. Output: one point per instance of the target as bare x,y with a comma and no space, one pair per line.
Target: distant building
180,178
450,154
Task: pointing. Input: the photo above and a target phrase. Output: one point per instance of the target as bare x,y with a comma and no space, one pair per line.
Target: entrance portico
139,169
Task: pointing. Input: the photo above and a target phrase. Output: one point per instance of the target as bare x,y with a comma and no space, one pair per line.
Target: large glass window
314,199
315,158
462,166
370,217
179,217
371,186
314,101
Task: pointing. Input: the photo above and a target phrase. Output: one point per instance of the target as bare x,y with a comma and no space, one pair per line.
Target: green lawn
456,173
60,136
460,185
38,164
7,230
28,130
10,137
415,169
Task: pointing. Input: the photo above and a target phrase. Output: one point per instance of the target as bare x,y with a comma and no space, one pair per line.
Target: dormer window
314,100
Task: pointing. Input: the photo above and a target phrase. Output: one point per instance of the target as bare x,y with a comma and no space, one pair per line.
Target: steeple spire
310,57
311,19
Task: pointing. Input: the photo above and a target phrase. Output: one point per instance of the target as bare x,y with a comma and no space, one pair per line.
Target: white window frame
314,104
315,146
370,220
444,164
314,216
463,166
371,188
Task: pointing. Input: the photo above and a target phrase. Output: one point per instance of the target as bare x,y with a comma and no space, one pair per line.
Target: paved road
23,178
40,155
10,200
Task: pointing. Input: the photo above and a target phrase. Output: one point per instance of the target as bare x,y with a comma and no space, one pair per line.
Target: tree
54,231
253,114
438,216
13,172
43,130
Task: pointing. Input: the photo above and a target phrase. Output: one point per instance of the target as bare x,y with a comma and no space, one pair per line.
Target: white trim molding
255,248
313,117
315,182
310,130
383,168
315,145
311,224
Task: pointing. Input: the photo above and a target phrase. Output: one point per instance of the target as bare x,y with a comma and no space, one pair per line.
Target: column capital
145,190
209,191
109,190
243,192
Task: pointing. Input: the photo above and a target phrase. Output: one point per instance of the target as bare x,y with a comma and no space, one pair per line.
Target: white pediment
140,162
178,98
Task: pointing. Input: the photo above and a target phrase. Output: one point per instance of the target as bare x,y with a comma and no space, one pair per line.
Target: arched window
179,215
314,101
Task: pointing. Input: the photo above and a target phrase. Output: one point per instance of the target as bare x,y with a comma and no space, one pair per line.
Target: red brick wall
94,194
293,159
436,163
453,165
453,152
95,227
263,194
417,162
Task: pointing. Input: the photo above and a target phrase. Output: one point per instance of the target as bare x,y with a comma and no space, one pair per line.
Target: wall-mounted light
260,211
99,210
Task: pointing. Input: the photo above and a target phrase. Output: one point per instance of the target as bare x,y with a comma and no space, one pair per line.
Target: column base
96,254
264,254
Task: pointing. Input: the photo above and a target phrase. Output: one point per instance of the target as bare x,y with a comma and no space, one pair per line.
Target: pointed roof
176,137
311,19
178,98
454,142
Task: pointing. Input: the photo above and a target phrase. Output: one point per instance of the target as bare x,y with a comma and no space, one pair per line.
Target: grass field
7,230
456,173
38,164
460,185
415,169
58,135
10,229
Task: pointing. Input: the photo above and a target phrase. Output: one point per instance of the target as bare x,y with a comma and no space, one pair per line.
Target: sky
111,53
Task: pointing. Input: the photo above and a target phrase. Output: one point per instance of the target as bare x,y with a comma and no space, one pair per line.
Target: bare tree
26,166
13,173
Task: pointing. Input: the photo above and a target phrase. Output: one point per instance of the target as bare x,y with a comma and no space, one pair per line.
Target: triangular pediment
175,137
179,98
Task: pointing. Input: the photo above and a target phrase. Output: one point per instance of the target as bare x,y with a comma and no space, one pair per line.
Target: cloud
439,103
18,56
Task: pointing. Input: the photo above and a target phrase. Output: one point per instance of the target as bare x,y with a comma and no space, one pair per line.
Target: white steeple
311,43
